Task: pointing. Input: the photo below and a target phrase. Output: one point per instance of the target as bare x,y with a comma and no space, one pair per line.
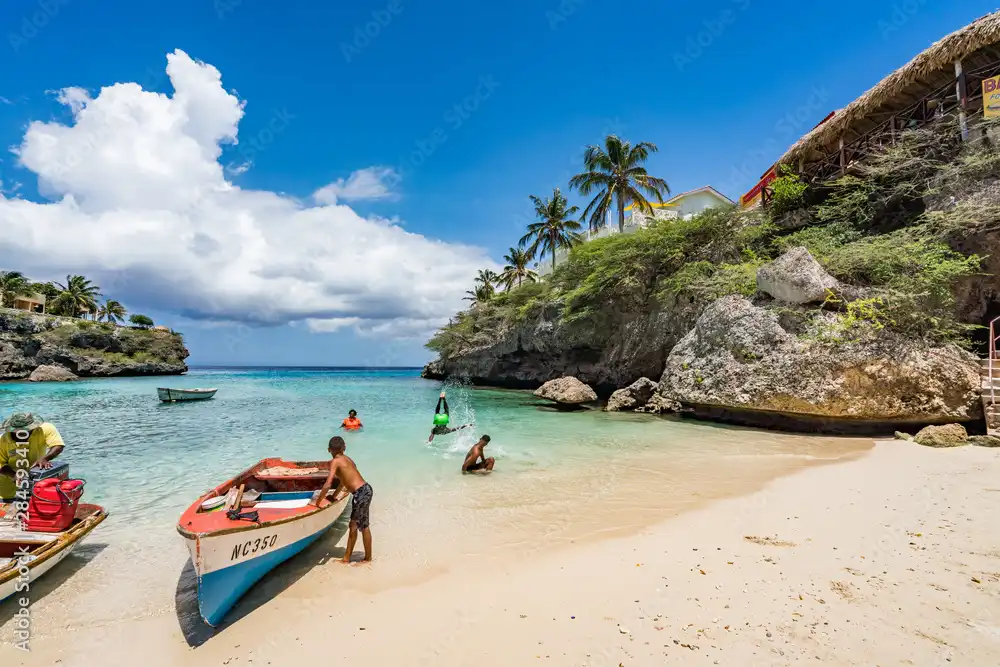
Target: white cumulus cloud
141,204
370,183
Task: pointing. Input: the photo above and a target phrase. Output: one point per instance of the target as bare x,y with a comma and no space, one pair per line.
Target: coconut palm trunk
553,244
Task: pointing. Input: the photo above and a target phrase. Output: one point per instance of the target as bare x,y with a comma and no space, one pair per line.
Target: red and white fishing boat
247,526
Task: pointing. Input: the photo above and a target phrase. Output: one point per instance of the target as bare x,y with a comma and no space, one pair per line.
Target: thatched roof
976,45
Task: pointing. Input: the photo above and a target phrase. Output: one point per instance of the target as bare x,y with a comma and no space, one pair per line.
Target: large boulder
566,391
984,440
796,219
796,277
738,360
946,435
47,373
634,396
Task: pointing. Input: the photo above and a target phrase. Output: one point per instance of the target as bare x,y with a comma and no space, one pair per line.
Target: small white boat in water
171,395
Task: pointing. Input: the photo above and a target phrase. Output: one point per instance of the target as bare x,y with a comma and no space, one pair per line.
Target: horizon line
400,368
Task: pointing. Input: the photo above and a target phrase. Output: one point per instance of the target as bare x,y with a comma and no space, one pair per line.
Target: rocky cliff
848,306
87,349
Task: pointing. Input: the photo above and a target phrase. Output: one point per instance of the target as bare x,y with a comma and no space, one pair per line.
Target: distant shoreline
207,367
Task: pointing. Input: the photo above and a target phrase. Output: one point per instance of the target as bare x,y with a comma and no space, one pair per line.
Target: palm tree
517,269
78,296
12,283
555,228
112,311
487,277
617,172
481,294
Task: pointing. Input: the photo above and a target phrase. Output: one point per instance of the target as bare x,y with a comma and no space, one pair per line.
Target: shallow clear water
560,477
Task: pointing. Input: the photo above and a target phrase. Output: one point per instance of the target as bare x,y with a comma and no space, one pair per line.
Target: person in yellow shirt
25,437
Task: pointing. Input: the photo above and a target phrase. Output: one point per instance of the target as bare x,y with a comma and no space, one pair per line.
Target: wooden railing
964,93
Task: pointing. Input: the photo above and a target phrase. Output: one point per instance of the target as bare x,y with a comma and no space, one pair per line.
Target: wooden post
843,158
963,100
892,129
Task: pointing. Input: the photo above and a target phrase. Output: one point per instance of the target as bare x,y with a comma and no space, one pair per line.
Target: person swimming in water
441,419
352,423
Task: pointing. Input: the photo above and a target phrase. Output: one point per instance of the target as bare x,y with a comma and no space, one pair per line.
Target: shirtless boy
475,460
342,468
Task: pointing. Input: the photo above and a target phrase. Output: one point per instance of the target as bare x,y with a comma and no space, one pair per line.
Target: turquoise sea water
142,458
560,477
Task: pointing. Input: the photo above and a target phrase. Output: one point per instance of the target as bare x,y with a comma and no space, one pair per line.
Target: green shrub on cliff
894,227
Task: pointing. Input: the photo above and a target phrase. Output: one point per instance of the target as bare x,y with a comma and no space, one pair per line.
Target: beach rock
47,373
903,436
984,440
633,396
739,364
796,277
796,219
566,391
606,354
946,435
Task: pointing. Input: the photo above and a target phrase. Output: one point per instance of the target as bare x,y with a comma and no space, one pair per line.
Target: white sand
892,558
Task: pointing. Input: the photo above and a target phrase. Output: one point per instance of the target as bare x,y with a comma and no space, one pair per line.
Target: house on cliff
681,206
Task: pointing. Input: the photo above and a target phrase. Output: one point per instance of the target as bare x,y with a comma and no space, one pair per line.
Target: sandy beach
891,557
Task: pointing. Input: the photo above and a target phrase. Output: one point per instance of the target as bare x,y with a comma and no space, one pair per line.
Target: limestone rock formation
946,435
739,363
85,349
984,440
796,277
46,373
634,396
566,391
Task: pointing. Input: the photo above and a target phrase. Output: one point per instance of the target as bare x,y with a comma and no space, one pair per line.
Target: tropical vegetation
906,226
554,230
76,297
617,173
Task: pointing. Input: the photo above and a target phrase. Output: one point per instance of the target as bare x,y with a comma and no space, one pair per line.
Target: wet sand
885,558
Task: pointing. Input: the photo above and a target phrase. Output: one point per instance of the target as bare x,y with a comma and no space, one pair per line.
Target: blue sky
721,86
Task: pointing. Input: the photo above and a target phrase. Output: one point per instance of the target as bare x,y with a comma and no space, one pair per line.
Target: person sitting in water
27,440
475,460
352,423
441,419
343,468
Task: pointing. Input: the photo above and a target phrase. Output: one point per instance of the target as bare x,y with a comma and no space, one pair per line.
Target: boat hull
172,395
228,564
12,581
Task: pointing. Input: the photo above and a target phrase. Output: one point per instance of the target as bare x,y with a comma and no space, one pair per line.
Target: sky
309,183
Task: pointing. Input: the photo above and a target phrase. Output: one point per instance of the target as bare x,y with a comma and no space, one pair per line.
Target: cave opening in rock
981,335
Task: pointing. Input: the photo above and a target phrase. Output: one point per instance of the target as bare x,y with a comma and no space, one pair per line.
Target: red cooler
53,504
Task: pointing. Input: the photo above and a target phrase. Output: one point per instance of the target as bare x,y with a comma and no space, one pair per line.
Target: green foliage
140,320
788,193
871,232
616,173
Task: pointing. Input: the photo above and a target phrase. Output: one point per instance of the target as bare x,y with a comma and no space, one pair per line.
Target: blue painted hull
218,591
